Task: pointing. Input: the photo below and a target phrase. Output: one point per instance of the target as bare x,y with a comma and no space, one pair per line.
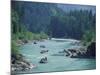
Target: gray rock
43,60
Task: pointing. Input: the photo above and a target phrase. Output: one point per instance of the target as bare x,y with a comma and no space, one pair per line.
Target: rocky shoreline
19,63
83,52
80,52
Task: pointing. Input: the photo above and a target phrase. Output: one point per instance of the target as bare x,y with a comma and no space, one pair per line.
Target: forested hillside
45,17
33,22
35,14
73,25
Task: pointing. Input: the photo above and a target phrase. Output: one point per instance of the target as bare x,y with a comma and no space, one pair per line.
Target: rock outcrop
43,60
88,52
20,64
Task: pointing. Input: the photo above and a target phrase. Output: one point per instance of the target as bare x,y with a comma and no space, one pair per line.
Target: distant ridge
68,7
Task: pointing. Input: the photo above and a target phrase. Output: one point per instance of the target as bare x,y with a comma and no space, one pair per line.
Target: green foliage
88,37
39,36
53,20
14,21
20,32
34,36
72,25
14,47
29,36
43,35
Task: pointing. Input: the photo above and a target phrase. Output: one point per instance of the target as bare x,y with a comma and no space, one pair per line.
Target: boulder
35,42
42,46
20,63
44,51
76,53
25,41
63,53
43,60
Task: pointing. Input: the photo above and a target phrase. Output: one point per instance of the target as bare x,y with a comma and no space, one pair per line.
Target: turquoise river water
55,63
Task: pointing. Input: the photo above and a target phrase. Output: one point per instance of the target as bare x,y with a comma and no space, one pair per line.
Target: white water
55,63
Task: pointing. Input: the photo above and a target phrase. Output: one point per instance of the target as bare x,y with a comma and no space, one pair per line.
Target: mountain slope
36,16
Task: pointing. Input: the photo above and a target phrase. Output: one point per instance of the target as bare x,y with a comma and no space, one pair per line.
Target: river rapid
32,53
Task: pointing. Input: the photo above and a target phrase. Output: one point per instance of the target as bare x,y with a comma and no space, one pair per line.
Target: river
55,63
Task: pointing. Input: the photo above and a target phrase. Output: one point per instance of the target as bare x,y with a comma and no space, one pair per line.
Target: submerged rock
44,51
35,42
64,51
61,54
42,46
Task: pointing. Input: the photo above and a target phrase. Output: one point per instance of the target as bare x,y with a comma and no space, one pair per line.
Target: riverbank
88,51
18,61
58,62
83,52
57,48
